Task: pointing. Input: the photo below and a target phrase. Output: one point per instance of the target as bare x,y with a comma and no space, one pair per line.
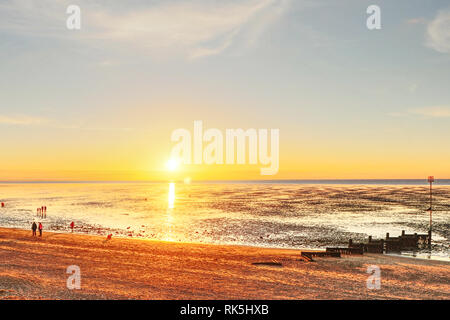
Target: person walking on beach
45,212
72,225
40,229
34,227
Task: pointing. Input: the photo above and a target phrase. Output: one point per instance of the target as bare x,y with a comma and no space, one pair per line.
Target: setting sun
172,164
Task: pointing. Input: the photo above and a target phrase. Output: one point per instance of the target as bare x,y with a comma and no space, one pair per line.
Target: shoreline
121,236
35,268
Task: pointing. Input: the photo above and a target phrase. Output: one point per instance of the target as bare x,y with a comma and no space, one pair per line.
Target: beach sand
35,268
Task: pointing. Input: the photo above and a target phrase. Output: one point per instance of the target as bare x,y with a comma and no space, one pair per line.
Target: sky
100,103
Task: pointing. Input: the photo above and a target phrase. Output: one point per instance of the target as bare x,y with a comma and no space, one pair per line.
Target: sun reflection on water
169,214
171,195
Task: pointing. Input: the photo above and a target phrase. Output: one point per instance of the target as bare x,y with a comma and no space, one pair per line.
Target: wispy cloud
396,114
427,112
419,20
438,32
433,112
25,120
98,129
21,120
412,88
195,27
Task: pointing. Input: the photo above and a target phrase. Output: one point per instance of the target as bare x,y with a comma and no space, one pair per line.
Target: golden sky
101,103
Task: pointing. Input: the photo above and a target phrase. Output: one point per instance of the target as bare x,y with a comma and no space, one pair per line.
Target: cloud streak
21,120
433,112
25,120
427,112
196,28
438,32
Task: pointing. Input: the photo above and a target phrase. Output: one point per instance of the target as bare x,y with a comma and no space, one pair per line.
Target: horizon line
226,180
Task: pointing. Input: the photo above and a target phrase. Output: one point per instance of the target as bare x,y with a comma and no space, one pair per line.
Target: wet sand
35,268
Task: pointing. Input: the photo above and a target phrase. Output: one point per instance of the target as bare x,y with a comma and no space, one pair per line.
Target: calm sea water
294,214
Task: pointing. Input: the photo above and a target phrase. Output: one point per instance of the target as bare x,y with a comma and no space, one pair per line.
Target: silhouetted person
34,227
72,225
40,229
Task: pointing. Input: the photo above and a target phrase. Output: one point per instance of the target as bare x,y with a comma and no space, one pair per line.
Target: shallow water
291,215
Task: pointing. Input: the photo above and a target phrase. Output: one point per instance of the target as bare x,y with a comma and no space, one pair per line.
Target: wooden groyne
309,255
406,242
403,242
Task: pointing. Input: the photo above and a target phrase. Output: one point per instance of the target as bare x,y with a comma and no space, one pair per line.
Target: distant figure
45,212
3,204
108,238
34,227
72,225
40,229
38,213
42,211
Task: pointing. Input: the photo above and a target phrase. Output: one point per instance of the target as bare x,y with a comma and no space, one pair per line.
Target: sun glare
172,164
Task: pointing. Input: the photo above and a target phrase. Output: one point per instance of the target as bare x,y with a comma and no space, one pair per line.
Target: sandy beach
35,268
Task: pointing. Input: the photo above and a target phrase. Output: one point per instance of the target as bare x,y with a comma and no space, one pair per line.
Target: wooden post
430,180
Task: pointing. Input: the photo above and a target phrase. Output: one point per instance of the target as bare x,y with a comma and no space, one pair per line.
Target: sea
296,214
